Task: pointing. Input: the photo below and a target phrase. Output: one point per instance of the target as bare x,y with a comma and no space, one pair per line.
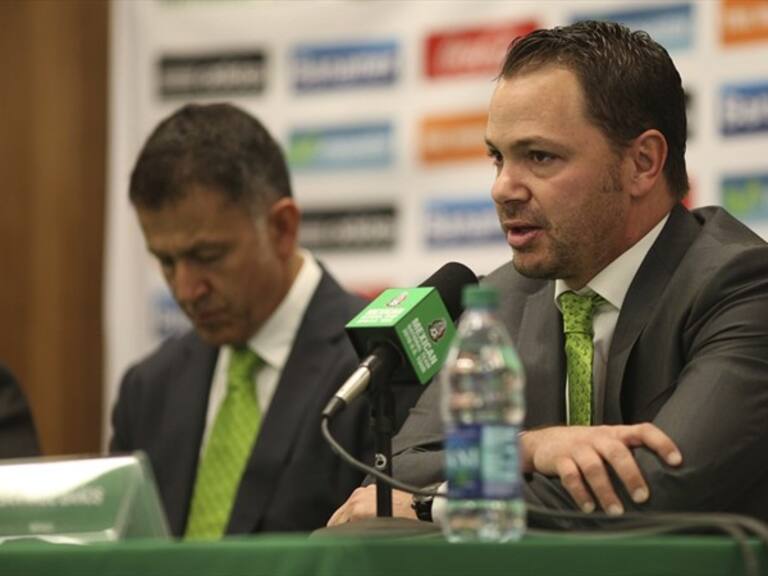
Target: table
422,555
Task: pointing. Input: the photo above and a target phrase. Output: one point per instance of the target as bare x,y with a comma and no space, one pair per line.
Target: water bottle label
462,462
482,462
499,462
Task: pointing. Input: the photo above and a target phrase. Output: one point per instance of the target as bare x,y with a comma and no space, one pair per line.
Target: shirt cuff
439,504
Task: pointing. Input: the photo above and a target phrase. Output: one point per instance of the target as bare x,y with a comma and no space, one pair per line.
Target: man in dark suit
17,430
229,413
587,130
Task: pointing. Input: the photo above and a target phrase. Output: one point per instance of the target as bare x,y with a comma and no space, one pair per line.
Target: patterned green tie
229,446
579,349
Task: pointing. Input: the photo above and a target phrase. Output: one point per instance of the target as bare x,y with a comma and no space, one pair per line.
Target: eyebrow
531,142
197,247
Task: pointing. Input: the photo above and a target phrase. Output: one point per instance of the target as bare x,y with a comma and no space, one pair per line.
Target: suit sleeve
717,413
122,415
417,456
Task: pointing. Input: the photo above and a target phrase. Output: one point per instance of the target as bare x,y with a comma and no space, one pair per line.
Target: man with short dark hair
229,413
660,400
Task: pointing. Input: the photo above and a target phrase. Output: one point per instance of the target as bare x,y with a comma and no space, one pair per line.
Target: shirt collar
274,340
612,282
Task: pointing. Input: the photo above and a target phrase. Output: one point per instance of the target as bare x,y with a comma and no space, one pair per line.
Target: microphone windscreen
449,282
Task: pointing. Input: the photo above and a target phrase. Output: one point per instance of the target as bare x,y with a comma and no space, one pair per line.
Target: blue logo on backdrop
341,147
671,26
744,109
344,66
746,196
464,221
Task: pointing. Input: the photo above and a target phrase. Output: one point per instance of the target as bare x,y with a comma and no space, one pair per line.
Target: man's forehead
183,245
182,227
542,100
544,87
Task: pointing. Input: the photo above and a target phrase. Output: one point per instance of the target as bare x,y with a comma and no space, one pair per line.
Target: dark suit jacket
689,353
292,481
17,430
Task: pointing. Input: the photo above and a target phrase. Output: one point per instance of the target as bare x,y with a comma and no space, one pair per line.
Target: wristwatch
422,505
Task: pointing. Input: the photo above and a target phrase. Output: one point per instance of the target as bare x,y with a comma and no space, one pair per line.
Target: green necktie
579,350
229,446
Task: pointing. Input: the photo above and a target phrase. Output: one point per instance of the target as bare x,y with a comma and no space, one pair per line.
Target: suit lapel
643,296
541,350
185,422
527,309
311,357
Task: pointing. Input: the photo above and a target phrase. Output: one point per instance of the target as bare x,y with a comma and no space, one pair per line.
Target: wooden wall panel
53,149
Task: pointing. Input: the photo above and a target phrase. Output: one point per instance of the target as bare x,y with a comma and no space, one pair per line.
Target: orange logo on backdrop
743,21
453,138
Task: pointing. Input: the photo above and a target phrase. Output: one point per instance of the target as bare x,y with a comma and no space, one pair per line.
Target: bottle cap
475,295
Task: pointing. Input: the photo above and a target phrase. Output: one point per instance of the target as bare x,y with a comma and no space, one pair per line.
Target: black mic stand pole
383,424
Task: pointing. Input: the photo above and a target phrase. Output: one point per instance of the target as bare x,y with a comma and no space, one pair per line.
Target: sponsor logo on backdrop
212,74
468,221
167,319
744,108
341,147
476,50
323,67
746,196
453,138
744,21
671,26
349,228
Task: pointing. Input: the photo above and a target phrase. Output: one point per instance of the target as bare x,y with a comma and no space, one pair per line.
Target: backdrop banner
381,109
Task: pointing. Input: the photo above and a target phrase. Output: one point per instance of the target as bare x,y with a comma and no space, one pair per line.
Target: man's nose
510,187
188,284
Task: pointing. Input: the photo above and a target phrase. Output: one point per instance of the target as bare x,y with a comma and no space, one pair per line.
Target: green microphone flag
415,321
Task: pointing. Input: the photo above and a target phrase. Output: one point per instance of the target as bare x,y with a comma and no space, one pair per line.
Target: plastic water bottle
483,405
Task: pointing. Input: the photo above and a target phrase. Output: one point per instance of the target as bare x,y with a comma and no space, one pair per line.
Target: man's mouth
208,317
520,235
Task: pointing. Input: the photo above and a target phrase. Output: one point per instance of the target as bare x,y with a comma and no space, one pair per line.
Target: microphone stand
383,425
374,375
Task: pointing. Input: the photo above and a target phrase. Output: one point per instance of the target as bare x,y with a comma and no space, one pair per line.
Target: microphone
405,332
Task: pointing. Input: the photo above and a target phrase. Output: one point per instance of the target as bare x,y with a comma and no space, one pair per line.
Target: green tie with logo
229,446
579,351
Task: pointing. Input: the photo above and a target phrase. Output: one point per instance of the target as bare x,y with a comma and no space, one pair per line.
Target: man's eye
495,156
540,157
165,263
207,257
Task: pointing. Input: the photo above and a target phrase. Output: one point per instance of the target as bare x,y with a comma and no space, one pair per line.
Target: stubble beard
555,264
563,259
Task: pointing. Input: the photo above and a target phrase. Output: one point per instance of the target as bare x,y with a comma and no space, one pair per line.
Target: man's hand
362,504
579,454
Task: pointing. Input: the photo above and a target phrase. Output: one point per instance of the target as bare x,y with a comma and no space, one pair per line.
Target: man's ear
647,155
283,220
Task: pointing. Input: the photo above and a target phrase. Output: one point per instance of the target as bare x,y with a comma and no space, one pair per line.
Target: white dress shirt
612,283
272,343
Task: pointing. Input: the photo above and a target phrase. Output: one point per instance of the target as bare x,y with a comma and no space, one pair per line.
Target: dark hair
629,81
216,145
